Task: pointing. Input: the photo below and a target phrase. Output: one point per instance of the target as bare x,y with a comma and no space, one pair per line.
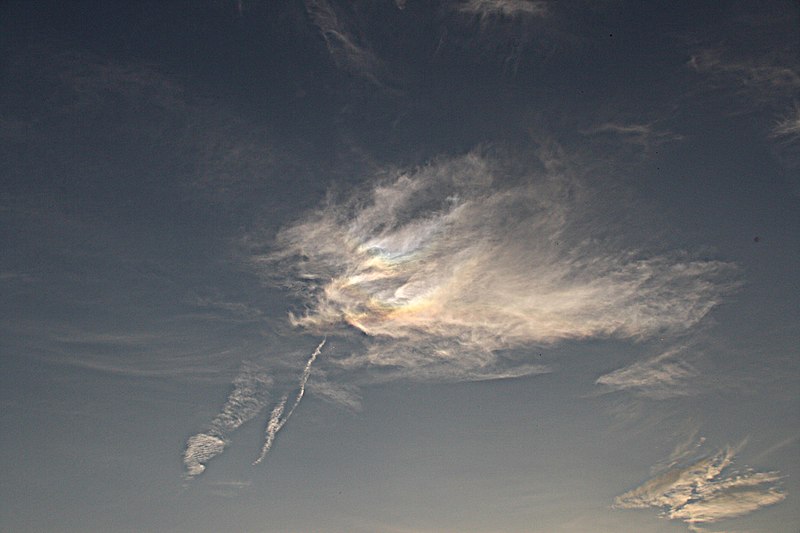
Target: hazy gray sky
400,266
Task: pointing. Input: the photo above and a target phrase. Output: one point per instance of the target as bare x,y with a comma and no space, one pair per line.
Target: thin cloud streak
274,425
705,490
788,126
749,73
505,8
276,419
665,376
788,441
645,135
444,268
345,50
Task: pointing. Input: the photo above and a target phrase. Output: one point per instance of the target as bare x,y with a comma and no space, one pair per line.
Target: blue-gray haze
400,266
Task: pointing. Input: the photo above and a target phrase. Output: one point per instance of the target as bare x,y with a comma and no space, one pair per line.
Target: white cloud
665,376
246,400
446,268
705,490
200,449
277,419
346,50
788,126
505,8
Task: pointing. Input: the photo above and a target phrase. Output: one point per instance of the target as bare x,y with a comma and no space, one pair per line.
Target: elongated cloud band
663,376
276,418
507,8
445,267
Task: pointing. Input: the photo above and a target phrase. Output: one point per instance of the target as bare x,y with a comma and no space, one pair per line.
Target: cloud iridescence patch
444,267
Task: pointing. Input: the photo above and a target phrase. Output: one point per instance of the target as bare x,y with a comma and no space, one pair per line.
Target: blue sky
400,266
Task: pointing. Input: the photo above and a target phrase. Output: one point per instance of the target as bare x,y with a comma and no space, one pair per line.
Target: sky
400,266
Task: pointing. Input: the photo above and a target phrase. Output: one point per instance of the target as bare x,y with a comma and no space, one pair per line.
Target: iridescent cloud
447,266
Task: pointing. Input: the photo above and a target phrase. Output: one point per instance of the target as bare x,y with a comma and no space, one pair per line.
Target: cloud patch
249,396
705,491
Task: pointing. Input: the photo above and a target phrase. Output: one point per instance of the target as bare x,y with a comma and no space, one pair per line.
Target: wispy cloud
249,396
139,84
768,83
788,441
749,73
504,8
343,394
499,30
228,489
160,352
277,419
644,135
348,52
789,126
683,452
237,310
664,376
448,266
706,490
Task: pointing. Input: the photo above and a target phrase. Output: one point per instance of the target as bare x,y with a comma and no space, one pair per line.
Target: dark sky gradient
552,248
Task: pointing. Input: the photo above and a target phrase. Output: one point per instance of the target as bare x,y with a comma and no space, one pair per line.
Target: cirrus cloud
705,491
